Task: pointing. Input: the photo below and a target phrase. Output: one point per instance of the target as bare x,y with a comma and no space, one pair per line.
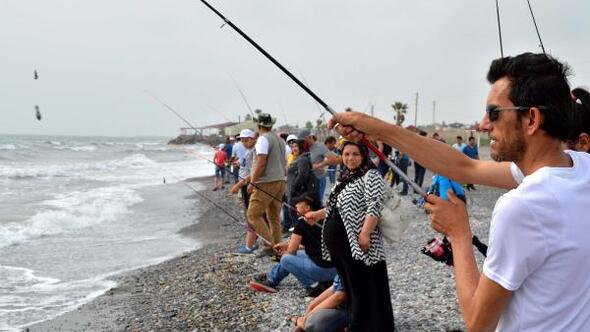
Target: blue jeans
219,172
332,174
322,186
302,268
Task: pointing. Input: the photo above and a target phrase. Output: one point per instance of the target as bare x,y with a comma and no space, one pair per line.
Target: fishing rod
227,168
284,116
215,204
499,29
243,96
536,28
219,113
205,158
170,109
316,104
380,154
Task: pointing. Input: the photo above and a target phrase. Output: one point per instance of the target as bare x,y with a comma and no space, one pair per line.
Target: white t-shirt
516,173
261,146
539,248
459,147
239,151
287,151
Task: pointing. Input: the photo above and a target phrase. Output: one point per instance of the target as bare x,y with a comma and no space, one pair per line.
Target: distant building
235,128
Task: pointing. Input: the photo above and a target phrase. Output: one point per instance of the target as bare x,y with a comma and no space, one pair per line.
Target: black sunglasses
493,111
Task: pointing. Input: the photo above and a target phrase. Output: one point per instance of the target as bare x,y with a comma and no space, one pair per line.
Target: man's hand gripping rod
318,99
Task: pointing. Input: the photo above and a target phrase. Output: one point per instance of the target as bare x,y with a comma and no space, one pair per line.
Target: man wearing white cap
248,139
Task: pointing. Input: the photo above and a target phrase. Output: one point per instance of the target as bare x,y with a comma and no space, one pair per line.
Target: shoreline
207,288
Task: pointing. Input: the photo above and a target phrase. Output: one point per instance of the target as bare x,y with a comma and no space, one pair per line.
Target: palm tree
400,109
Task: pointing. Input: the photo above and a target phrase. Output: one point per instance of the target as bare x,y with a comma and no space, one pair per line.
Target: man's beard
511,149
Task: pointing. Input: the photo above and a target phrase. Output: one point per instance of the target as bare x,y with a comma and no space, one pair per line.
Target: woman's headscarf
349,175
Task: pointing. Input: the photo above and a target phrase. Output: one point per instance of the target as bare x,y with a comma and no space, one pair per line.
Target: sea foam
70,212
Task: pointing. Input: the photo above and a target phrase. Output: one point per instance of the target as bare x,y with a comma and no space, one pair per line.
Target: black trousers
419,172
367,290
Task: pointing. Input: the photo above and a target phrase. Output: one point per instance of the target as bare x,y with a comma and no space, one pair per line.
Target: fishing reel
441,251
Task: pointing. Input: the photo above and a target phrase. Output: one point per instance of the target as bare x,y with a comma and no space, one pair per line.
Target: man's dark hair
423,133
460,137
330,139
283,136
471,138
538,80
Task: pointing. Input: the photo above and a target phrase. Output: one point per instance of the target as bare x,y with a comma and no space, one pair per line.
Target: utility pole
416,114
372,110
433,114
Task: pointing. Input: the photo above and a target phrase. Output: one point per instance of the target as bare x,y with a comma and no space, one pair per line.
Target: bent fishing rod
215,204
365,141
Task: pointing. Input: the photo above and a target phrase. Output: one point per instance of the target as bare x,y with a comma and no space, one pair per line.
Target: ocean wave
70,212
24,171
7,147
32,299
82,148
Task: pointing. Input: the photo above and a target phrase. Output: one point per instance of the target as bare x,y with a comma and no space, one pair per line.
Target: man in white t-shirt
535,276
459,145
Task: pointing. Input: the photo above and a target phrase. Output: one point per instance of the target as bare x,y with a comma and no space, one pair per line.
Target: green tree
309,125
400,110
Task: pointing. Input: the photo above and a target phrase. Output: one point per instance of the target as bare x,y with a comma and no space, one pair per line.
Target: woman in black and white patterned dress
352,240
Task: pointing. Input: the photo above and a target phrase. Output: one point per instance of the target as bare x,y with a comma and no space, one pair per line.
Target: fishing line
215,204
380,154
227,168
318,224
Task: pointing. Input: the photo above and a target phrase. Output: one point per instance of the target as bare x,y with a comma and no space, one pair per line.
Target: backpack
311,186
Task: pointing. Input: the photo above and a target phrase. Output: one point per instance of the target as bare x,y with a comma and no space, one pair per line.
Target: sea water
76,210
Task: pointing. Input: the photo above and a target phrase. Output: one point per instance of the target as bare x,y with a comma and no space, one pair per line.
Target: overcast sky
96,58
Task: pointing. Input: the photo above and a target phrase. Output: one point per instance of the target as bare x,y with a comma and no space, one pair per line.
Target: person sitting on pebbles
326,313
306,264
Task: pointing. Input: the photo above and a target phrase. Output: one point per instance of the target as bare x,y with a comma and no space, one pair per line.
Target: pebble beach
207,289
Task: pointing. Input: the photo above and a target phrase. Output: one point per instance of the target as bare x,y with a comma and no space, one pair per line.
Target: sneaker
245,250
265,252
318,289
261,284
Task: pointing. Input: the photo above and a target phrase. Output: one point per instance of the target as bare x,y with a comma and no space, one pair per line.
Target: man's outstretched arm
435,156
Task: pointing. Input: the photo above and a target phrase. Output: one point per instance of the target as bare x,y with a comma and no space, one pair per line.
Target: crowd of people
540,143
